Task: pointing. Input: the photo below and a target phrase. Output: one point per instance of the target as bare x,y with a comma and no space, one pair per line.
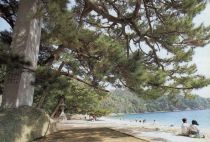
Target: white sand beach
147,131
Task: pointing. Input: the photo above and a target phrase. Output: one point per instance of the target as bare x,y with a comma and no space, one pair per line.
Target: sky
201,57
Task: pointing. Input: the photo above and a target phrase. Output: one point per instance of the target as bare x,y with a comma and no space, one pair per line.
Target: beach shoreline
148,131
146,112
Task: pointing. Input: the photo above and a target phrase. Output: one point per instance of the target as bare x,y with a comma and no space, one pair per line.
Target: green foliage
51,85
123,101
79,98
100,112
82,99
59,25
168,103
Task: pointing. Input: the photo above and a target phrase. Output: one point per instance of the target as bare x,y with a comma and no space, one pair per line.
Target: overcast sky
201,57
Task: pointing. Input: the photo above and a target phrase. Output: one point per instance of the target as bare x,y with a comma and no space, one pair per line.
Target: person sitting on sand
194,130
185,127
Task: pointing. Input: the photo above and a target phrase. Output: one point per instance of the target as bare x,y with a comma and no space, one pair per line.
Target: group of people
141,121
191,130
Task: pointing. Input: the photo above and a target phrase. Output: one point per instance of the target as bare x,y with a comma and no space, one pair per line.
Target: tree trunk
25,42
42,99
61,100
56,109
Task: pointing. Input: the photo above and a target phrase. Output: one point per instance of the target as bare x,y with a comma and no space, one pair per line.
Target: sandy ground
107,130
90,135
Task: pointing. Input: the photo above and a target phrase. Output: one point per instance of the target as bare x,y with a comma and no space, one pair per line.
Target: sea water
171,118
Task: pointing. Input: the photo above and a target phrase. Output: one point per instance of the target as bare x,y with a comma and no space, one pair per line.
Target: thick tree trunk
25,42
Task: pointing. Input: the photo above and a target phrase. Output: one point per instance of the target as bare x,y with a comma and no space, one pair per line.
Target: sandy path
89,135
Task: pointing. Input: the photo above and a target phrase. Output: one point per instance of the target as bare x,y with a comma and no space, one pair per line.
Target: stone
24,124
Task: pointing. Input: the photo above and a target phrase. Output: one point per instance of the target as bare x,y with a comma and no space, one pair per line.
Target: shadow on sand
89,135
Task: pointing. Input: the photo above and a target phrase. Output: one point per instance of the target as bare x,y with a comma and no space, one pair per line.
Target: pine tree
160,39
144,45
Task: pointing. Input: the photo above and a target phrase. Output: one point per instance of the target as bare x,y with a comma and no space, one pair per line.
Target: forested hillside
123,101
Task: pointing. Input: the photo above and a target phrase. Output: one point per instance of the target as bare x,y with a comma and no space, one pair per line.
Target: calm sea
171,118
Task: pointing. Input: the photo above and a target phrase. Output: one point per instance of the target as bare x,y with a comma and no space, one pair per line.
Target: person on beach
185,127
194,130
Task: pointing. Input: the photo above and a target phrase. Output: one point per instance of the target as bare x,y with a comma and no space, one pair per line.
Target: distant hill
123,101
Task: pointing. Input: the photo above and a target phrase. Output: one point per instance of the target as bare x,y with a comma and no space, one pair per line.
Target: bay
171,118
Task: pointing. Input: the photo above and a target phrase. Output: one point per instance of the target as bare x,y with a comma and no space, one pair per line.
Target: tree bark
60,101
42,99
25,43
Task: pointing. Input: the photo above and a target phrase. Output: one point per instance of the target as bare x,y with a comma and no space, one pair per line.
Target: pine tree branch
120,19
159,16
80,80
8,10
61,66
112,3
96,8
171,87
124,84
156,58
137,8
148,16
43,97
54,55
